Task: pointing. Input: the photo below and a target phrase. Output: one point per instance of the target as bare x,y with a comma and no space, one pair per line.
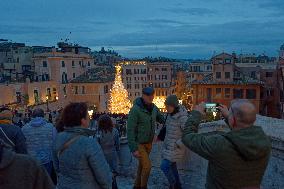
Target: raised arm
202,144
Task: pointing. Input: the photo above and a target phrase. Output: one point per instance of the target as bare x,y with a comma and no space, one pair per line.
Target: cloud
191,11
243,35
161,22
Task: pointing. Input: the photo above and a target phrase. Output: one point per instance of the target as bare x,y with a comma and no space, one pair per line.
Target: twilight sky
138,28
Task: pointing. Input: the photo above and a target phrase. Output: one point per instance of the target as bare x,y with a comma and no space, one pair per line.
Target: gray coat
173,149
82,165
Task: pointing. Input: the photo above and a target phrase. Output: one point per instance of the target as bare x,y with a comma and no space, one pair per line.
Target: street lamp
47,97
56,97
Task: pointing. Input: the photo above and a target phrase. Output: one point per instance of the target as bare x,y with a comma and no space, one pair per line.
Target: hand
200,108
224,110
136,154
156,139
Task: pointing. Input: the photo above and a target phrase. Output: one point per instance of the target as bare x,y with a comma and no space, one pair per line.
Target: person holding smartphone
237,159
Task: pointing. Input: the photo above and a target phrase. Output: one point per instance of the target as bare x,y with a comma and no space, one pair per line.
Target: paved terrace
193,167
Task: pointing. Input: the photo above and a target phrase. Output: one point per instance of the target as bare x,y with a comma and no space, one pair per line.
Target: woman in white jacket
173,149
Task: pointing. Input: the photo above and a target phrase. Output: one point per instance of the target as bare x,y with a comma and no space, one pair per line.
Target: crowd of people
82,153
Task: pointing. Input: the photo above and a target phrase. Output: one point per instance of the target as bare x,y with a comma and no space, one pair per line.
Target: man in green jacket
237,159
140,133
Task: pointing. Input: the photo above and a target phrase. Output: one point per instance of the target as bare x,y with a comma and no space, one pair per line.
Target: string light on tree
119,101
159,101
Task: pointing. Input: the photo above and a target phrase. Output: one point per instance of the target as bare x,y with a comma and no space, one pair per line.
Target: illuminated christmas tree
119,101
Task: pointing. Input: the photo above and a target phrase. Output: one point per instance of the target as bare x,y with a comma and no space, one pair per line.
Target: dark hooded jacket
237,159
21,171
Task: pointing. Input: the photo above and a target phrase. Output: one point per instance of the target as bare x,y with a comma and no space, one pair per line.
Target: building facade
227,82
15,62
160,76
134,77
92,88
198,69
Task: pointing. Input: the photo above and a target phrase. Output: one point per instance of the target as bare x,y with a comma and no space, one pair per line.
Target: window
227,92
227,75
89,64
164,69
48,93
136,86
156,69
128,71
64,77
36,97
128,86
238,93
44,64
74,75
218,75
237,74
270,92
73,63
83,89
251,94
227,61
269,74
18,59
164,77
218,92
209,94
18,97
80,63
253,74
62,64
76,89
106,89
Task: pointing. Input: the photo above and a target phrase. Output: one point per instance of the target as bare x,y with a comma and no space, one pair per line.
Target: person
237,159
173,149
11,134
21,171
140,133
40,138
108,138
78,159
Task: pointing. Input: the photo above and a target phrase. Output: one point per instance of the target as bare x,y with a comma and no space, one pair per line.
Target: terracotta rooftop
96,75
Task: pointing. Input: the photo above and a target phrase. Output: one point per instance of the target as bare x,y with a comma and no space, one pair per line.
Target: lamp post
47,97
56,98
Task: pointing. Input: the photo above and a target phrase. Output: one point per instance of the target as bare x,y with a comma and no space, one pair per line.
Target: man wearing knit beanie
11,134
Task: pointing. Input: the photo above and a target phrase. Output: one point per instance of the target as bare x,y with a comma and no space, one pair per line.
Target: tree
119,101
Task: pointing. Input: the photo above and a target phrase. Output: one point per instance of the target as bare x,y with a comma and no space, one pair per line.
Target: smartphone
211,107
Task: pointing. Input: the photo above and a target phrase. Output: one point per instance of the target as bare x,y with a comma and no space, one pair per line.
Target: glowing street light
90,112
56,97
